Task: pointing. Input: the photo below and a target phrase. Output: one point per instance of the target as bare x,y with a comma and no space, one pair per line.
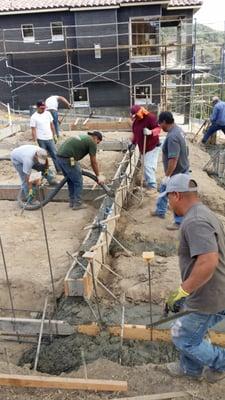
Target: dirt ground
146,234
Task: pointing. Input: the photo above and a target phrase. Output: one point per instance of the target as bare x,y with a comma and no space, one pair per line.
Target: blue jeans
49,146
150,166
212,129
19,168
188,335
74,179
162,205
55,116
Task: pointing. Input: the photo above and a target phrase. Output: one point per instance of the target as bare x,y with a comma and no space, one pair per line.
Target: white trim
36,11
93,8
145,3
57,38
144,100
29,39
81,104
183,7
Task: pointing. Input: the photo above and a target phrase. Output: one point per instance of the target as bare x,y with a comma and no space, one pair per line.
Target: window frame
80,104
140,101
144,57
29,39
57,38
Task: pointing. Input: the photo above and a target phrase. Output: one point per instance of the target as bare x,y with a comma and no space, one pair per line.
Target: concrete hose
52,194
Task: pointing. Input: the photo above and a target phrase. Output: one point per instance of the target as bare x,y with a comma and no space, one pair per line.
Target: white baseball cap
180,183
42,156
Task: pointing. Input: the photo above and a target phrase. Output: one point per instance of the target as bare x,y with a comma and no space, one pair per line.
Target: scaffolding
172,52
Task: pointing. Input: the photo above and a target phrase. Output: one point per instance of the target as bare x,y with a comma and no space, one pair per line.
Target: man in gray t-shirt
202,265
175,161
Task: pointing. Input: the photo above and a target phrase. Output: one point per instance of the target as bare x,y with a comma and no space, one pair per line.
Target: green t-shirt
78,147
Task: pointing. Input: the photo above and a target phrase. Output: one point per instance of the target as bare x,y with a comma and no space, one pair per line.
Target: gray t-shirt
24,155
175,146
201,233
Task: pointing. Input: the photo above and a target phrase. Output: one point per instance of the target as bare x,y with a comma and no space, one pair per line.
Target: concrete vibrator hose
52,194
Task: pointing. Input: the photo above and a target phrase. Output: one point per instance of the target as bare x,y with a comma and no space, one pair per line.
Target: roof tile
20,5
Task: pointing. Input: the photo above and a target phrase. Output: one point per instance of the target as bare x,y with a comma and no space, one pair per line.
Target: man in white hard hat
24,159
217,119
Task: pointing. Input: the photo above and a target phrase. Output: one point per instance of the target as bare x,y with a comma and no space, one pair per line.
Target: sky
212,13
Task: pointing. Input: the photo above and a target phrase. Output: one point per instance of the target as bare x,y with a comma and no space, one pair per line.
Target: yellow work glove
55,138
176,299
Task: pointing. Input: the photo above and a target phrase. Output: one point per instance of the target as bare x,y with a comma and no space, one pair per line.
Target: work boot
155,214
71,203
213,376
173,227
175,370
79,206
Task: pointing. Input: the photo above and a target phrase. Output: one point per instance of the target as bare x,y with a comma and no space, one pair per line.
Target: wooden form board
158,396
141,332
48,382
83,286
29,326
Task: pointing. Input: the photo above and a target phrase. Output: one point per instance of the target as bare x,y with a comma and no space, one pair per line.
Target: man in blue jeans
217,119
202,266
175,161
68,157
43,131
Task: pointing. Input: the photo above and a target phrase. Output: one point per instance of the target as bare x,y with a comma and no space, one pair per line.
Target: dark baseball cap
134,109
97,134
40,104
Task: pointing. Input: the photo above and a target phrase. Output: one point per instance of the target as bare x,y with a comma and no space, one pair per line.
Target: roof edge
34,11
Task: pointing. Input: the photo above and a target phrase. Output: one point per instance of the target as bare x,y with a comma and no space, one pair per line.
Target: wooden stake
63,383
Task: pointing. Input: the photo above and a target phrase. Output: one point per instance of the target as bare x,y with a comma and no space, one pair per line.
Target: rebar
9,290
40,334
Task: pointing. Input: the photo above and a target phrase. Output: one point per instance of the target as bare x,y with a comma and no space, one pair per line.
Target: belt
66,158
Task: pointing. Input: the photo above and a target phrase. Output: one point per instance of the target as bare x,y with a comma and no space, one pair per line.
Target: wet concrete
138,244
64,354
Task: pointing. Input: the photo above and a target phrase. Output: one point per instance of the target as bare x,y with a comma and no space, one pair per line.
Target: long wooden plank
158,396
28,326
62,383
10,192
141,332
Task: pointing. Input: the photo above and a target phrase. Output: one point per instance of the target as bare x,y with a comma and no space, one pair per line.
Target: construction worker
146,135
52,105
202,265
72,151
175,161
217,119
24,159
43,131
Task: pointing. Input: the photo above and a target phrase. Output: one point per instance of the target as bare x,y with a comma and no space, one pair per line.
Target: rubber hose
53,193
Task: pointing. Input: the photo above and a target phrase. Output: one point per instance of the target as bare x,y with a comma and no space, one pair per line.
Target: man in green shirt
68,157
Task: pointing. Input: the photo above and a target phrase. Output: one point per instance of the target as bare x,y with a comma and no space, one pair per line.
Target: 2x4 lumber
158,396
10,192
142,332
29,326
49,382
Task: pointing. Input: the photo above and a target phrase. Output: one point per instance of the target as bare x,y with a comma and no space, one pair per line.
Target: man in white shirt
24,159
43,131
52,105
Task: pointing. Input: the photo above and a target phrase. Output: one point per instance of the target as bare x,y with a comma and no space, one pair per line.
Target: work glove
55,138
176,300
147,132
101,179
165,180
31,195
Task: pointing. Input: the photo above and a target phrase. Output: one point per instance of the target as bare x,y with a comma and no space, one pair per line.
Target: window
57,31
81,97
144,35
143,94
28,33
98,52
